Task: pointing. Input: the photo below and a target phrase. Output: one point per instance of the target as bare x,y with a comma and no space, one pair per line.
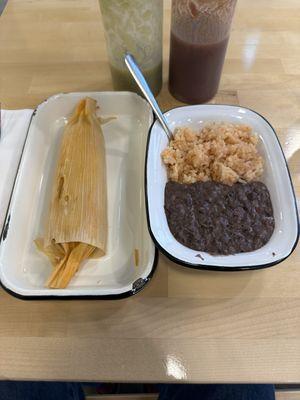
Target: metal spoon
143,85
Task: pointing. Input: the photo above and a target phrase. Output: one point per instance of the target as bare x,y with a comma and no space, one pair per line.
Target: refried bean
219,219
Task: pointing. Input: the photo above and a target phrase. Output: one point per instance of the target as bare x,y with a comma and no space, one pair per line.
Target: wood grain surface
186,325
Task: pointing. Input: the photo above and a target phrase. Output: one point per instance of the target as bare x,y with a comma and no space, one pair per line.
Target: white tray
276,177
23,269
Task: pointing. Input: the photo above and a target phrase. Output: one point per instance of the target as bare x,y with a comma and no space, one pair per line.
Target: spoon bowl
143,85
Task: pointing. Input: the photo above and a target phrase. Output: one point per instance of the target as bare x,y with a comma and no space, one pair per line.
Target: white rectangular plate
276,177
23,269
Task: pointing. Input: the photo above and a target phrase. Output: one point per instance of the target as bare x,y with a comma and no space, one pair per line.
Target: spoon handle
143,85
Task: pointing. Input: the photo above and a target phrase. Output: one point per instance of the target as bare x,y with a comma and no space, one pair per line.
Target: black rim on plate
137,286
219,267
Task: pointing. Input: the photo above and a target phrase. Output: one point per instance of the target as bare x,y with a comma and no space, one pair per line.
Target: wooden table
186,325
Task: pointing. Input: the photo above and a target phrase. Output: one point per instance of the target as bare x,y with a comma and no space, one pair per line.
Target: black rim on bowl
137,286
217,267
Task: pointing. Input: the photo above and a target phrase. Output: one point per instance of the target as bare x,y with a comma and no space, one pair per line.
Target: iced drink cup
199,37
134,26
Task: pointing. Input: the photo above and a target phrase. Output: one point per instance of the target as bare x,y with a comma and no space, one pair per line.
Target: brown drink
199,37
195,69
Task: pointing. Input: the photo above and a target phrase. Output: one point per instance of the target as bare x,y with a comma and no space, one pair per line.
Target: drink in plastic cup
199,36
134,26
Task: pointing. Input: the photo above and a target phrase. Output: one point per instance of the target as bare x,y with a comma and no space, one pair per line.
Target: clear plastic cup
134,26
199,36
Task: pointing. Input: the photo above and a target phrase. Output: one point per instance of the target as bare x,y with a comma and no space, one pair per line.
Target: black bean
219,219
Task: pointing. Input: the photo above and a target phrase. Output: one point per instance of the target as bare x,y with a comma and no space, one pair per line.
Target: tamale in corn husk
76,226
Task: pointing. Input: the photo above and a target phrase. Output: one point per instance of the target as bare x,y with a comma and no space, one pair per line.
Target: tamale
76,226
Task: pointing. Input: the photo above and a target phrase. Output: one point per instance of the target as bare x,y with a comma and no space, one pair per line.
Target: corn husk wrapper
76,227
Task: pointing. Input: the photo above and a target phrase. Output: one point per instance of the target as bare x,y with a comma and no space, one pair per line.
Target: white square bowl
23,269
276,177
